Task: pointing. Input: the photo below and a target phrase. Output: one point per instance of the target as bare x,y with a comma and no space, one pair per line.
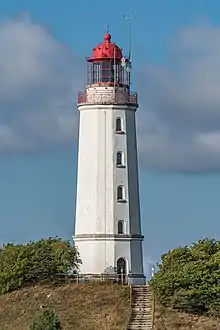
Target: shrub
35,262
46,320
188,278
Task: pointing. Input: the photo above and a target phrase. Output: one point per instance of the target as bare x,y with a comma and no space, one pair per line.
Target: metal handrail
129,319
79,278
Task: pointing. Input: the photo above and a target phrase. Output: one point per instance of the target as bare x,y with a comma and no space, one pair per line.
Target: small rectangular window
120,159
119,128
120,194
120,227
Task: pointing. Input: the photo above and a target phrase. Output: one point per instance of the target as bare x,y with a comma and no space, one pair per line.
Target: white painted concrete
97,208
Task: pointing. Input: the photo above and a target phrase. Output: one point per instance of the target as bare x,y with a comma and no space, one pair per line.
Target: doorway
121,270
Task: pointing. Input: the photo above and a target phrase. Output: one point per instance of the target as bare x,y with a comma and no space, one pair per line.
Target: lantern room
107,66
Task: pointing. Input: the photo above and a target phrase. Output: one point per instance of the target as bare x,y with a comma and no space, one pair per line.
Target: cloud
179,116
39,80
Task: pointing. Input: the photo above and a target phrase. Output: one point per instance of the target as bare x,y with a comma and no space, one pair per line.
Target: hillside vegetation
36,262
168,319
186,287
188,282
80,307
188,278
30,278
87,306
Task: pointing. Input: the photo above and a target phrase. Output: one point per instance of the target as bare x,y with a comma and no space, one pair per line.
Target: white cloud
179,116
179,120
39,80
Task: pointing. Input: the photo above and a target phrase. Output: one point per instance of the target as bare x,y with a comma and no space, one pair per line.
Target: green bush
35,262
47,320
188,278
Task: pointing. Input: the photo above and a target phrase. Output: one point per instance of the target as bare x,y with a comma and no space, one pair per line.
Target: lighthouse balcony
108,96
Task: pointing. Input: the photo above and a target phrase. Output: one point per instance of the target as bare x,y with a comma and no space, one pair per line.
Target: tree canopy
36,262
188,278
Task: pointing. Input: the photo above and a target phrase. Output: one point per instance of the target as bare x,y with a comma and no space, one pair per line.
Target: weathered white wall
97,209
132,169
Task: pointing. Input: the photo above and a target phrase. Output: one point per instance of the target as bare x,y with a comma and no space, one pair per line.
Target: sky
176,65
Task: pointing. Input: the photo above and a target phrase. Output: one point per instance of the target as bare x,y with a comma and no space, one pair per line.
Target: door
121,270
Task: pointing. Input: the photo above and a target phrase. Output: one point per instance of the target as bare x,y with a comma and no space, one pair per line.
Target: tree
36,262
188,278
47,320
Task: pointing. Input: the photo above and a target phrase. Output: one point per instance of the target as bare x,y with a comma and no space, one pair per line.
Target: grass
91,306
88,306
172,320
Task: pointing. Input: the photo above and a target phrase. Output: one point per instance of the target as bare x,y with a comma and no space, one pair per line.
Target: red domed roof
106,50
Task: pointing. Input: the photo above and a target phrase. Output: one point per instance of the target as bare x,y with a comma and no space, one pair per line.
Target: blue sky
176,48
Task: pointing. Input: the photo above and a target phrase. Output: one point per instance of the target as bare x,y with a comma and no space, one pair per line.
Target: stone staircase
142,311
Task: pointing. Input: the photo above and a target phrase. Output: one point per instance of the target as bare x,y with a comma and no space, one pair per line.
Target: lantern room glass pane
107,72
96,73
118,74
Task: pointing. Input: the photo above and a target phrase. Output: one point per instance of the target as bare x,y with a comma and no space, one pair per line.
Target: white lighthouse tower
108,227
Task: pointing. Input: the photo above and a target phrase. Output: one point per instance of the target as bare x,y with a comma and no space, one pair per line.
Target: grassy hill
90,306
171,320
80,307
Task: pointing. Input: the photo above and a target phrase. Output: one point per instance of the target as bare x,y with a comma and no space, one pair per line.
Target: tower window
120,227
120,194
118,125
119,159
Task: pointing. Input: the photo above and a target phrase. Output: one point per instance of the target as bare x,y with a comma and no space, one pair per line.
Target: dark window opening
119,158
120,193
118,125
120,227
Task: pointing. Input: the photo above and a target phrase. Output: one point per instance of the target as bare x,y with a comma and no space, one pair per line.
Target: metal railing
108,97
85,278
131,303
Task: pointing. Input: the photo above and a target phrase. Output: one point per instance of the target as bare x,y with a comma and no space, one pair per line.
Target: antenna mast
130,20
107,28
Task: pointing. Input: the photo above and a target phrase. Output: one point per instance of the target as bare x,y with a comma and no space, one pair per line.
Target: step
149,324
144,318
139,319
143,326
140,324
141,316
137,326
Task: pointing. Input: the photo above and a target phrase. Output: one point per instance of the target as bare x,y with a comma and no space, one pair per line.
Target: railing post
122,275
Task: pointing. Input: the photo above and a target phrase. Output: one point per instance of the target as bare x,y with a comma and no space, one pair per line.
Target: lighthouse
107,224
